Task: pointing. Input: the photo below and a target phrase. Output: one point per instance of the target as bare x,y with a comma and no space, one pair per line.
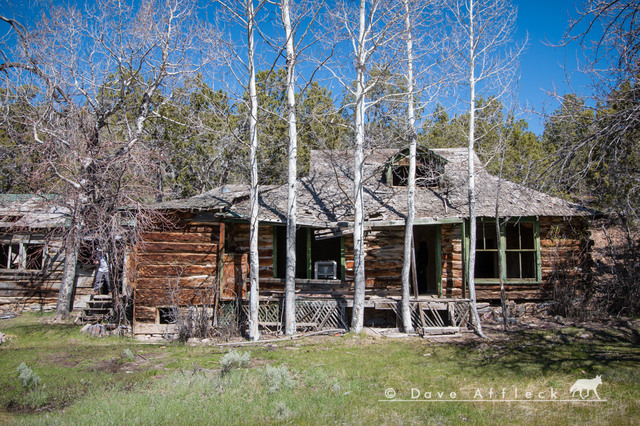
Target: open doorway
426,247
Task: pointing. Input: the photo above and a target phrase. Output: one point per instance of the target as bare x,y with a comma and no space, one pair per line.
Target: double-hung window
519,250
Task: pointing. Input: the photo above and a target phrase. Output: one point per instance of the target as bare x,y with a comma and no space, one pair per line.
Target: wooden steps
98,307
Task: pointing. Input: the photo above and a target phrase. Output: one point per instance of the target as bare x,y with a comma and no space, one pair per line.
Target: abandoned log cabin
201,257
32,255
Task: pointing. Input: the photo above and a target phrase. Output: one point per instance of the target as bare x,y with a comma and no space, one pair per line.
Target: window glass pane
521,265
487,264
4,255
34,256
513,264
526,236
528,261
513,240
486,236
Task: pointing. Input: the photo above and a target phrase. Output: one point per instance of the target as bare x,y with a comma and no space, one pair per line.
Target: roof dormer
429,169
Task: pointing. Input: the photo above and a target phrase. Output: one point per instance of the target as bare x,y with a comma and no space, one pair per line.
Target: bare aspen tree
360,51
371,30
292,193
245,13
488,62
425,65
254,262
411,184
471,170
291,48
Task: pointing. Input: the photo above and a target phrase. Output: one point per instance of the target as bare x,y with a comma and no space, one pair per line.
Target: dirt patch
62,360
14,407
112,365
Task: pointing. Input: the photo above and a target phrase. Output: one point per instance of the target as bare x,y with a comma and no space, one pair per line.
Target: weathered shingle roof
31,211
325,196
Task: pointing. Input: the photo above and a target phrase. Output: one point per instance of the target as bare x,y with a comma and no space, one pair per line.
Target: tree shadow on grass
569,350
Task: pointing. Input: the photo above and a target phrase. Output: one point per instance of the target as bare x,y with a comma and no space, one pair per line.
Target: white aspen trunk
411,184
503,296
65,294
357,319
254,267
290,277
472,178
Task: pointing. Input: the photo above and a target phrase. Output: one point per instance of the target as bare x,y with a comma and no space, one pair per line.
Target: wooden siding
452,260
175,267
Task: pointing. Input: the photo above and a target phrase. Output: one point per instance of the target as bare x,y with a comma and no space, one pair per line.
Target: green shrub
282,411
279,378
28,378
129,355
234,359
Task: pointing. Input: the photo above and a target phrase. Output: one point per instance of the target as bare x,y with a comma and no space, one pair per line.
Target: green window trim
504,252
274,256
438,258
308,267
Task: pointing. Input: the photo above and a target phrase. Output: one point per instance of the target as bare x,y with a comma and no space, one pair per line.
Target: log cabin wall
452,260
384,253
175,267
565,252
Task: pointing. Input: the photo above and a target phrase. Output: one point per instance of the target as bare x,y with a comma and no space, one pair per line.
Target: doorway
427,247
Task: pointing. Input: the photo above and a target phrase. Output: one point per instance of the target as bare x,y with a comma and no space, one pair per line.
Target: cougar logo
586,384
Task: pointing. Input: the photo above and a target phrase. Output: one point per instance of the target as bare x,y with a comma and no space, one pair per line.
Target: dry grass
332,379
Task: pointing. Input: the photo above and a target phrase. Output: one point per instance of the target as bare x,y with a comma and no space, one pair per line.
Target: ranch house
199,255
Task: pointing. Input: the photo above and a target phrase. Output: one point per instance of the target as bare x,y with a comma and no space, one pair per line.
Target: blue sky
544,68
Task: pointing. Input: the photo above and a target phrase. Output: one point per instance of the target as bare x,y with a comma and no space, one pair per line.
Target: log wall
175,267
452,260
565,248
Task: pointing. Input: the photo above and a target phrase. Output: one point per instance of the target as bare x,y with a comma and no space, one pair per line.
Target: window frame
503,251
308,265
23,255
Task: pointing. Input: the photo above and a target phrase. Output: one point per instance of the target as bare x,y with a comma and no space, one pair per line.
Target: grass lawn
327,379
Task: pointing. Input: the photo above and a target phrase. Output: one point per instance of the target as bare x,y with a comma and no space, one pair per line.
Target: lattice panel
437,317
320,314
227,314
310,315
462,312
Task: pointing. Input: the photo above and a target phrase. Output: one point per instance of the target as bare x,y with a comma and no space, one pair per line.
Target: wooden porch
430,315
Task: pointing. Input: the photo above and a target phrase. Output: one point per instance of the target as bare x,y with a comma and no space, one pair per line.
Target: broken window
429,170
22,256
519,250
310,249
